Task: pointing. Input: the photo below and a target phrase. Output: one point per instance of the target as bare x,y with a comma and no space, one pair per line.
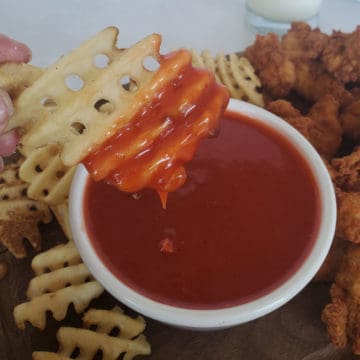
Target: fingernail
6,109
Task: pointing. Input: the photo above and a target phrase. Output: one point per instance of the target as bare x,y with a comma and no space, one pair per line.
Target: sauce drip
241,225
150,150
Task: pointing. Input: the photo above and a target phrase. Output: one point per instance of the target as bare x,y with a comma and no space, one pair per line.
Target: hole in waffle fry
128,83
74,82
5,197
93,327
115,331
24,192
150,63
67,284
88,279
45,192
101,61
66,264
78,127
104,106
38,168
75,353
2,181
98,355
48,103
59,174
33,208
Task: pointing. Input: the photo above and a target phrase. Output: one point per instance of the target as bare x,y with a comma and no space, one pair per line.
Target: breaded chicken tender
334,315
313,82
326,131
291,115
341,56
320,126
348,219
303,43
342,315
348,171
350,119
275,70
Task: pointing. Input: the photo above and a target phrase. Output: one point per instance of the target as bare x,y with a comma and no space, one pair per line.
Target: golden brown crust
334,316
348,221
342,315
320,126
275,70
341,56
301,42
348,171
350,119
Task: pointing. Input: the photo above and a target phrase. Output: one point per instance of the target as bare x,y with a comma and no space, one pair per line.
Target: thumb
11,50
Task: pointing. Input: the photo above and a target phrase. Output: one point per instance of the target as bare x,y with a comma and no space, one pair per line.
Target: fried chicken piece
334,315
321,126
291,115
313,82
341,56
348,219
275,70
342,315
303,43
350,119
326,131
348,171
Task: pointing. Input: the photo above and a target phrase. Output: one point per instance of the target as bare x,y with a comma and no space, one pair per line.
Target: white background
52,28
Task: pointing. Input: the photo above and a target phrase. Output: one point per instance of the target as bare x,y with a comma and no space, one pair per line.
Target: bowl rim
234,315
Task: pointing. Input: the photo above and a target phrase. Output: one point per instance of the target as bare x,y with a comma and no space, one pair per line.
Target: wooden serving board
292,332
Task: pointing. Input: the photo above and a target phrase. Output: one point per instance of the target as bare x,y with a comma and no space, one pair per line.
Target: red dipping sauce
240,226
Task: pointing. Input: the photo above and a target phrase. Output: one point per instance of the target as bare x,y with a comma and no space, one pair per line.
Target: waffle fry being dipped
131,126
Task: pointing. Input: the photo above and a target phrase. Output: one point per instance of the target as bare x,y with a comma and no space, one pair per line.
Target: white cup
277,15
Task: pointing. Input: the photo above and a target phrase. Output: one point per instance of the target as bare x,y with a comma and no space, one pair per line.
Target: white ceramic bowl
219,318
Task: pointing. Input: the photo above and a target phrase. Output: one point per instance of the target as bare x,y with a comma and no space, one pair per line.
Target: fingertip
8,143
12,50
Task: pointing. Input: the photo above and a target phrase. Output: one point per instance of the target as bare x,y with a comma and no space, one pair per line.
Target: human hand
10,51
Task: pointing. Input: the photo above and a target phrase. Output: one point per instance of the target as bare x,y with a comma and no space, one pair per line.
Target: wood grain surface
292,332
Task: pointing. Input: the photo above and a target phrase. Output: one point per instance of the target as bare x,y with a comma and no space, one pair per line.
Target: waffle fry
235,72
19,215
106,320
49,179
234,69
58,257
61,213
15,77
57,303
49,105
205,60
61,279
89,343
